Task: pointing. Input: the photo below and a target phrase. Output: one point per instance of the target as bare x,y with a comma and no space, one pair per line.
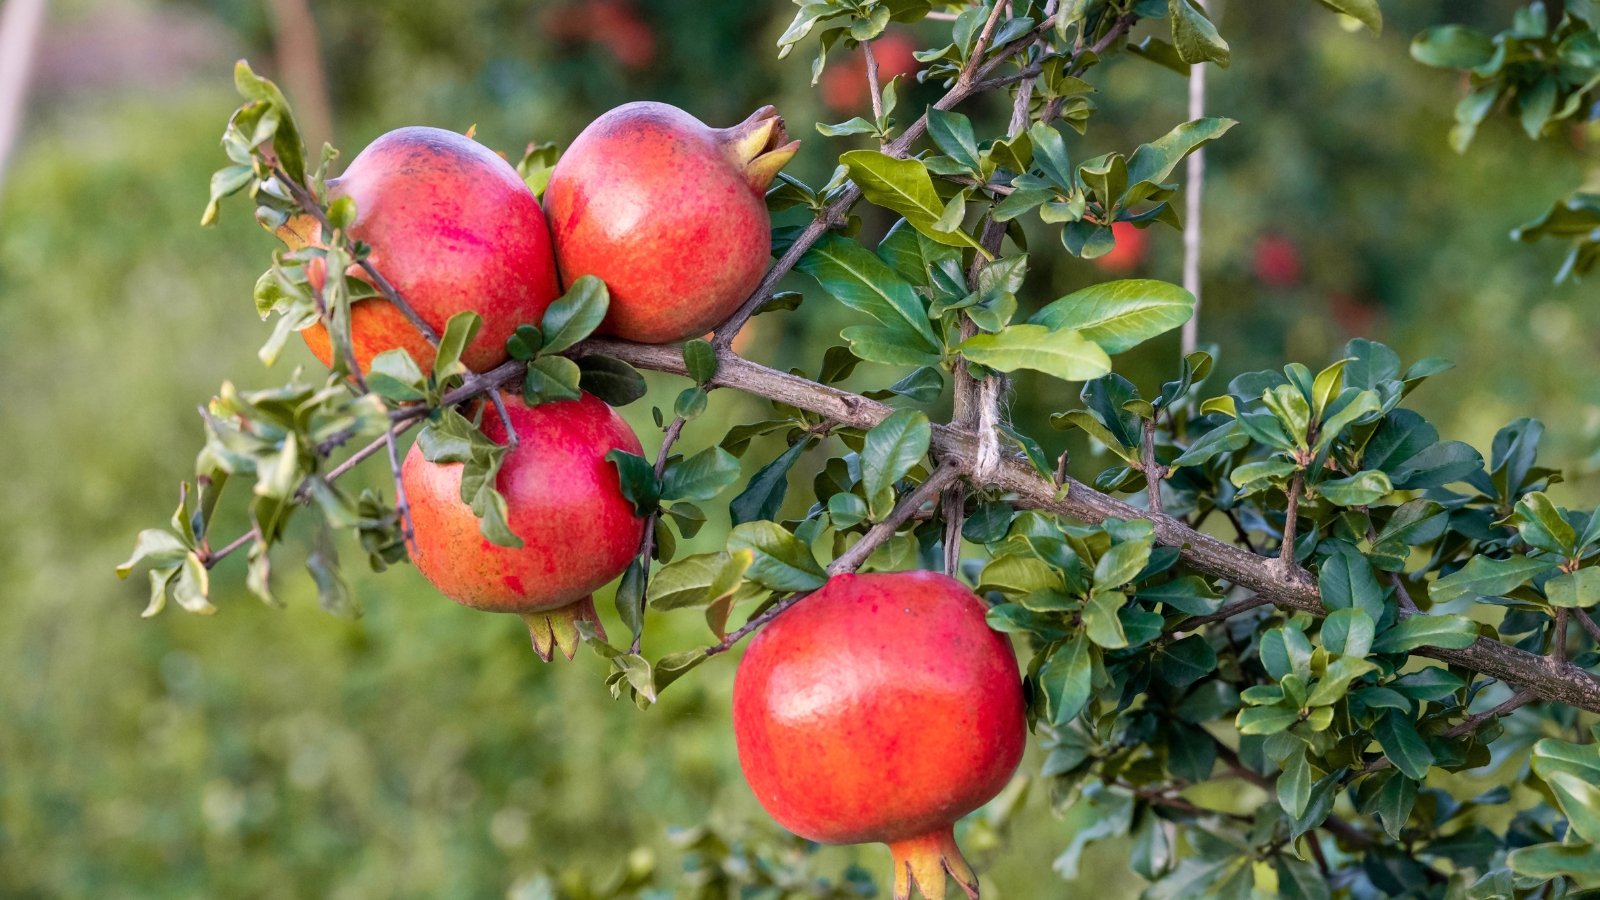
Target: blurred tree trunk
300,66
20,23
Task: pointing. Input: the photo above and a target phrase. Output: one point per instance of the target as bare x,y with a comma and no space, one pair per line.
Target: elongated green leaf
1067,678
892,448
1120,315
779,561
1151,163
1063,353
576,315
1486,577
1398,737
904,186
861,281
763,497
1580,589
1195,38
458,333
701,476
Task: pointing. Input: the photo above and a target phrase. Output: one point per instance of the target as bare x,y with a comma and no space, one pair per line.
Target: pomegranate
452,227
882,708
564,501
669,214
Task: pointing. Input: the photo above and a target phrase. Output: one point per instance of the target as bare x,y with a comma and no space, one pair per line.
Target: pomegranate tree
882,709
669,213
564,502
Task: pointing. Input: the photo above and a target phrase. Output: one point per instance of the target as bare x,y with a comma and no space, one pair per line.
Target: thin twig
1226,612
1153,472
1290,517
877,535
1470,724
512,441
851,559
1588,623
401,507
872,81
647,544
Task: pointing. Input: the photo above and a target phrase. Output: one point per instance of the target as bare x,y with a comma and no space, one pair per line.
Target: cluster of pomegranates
883,708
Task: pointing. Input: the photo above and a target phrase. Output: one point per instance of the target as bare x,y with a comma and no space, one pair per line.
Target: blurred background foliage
421,750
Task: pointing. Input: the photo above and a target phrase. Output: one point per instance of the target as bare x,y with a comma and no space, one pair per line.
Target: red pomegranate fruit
882,708
453,227
669,213
564,501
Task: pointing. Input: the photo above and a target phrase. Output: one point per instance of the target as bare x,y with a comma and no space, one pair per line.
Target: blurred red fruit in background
613,24
1277,261
1131,249
844,83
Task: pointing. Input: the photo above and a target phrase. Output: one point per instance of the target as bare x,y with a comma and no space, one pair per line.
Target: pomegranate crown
760,146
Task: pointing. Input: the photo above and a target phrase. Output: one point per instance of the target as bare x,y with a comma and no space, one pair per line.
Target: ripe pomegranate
882,708
453,227
565,501
669,213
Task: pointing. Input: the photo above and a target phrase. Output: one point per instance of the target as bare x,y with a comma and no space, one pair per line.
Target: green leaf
763,497
952,132
780,562
286,143
1100,622
891,448
700,477
1486,577
1398,737
1336,679
1063,353
550,379
1224,438
903,186
576,315
1346,581
1265,720
1194,36
1120,315
1068,679
1184,662
1542,525
458,333
691,403
1299,879
1580,800
525,342
861,281
700,358
323,563
1580,589
1452,47
396,377
638,479
1550,861
1449,631
890,346
1294,785
1152,163
1364,11
1118,565
225,182
699,580
1348,632
156,548
612,380
1360,489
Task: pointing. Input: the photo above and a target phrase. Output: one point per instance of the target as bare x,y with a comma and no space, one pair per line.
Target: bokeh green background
421,750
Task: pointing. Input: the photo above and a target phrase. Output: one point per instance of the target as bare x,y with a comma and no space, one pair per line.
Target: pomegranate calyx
760,146
924,862
557,629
